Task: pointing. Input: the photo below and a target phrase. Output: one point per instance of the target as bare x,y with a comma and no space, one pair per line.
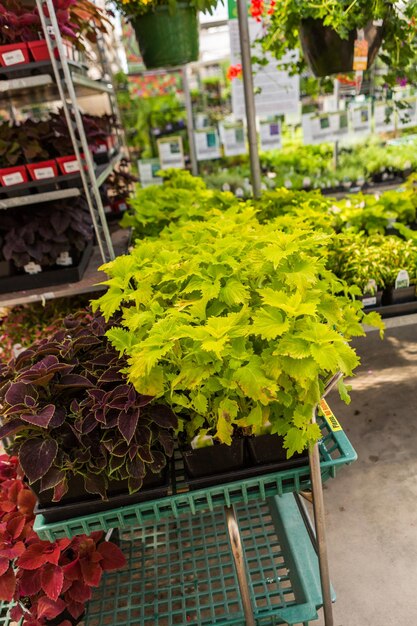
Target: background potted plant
81,432
41,236
328,30
49,582
167,30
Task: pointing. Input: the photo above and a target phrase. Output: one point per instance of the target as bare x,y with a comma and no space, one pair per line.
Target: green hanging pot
167,39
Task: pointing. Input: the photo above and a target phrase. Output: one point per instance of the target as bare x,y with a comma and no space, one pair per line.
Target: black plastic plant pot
369,300
399,296
215,459
327,53
266,449
65,615
77,501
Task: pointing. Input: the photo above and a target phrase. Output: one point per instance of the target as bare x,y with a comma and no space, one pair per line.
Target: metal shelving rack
60,79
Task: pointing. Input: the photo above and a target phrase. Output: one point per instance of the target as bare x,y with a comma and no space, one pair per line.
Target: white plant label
207,144
276,92
270,134
233,139
402,280
360,120
384,118
13,179
171,152
17,349
32,268
325,127
44,172
64,259
13,57
369,301
71,166
407,118
148,169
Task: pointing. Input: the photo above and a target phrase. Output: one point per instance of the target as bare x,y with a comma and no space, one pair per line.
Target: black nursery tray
58,512
245,473
48,278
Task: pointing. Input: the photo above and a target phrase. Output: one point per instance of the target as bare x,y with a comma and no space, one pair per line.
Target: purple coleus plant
42,234
69,412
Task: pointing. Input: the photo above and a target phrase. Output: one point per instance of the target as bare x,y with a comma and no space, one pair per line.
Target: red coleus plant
45,579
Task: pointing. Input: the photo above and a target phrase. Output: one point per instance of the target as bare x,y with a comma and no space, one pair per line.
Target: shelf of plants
45,160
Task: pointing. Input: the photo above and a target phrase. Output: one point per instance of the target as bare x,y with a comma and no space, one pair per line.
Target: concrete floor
371,506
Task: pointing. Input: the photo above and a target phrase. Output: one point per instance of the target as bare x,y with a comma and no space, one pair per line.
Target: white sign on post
324,127
207,144
361,119
277,92
233,138
270,134
407,118
148,169
171,152
384,118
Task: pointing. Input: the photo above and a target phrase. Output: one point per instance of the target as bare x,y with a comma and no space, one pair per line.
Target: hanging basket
326,53
168,39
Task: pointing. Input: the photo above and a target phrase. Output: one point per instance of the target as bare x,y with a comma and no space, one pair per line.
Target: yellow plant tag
360,55
329,415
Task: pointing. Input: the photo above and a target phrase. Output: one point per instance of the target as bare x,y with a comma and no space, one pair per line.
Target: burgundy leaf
51,479
162,416
60,490
42,418
36,457
95,484
11,428
74,380
159,461
127,424
16,394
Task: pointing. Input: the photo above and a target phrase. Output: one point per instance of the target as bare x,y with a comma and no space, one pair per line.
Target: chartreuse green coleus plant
234,325
357,259
181,197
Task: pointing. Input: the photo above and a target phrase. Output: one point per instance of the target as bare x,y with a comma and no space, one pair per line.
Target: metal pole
238,557
190,125
319,521
245,51
78,121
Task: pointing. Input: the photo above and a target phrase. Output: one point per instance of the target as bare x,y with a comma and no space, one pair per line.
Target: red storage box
13,175
69,164
43,169
39,50
14,54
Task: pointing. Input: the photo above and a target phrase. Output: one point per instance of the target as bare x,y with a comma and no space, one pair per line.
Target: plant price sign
326,127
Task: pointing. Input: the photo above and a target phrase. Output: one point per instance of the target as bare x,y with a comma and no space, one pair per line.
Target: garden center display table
236,553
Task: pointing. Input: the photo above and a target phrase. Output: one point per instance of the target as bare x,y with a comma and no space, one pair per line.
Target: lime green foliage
182,197
357,259
235,324
375,214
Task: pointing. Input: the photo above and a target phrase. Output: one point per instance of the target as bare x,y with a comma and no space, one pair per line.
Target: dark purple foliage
40,235
70,411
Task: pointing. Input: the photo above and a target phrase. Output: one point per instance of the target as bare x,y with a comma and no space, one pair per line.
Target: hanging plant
327,31
166,30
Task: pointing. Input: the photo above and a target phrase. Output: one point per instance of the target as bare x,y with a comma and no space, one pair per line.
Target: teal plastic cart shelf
335,451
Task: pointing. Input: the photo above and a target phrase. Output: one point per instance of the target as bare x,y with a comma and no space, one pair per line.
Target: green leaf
254,383
295,440
269,323
234,292
122,339
109,302
200,403
326,356
344,391
227,412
